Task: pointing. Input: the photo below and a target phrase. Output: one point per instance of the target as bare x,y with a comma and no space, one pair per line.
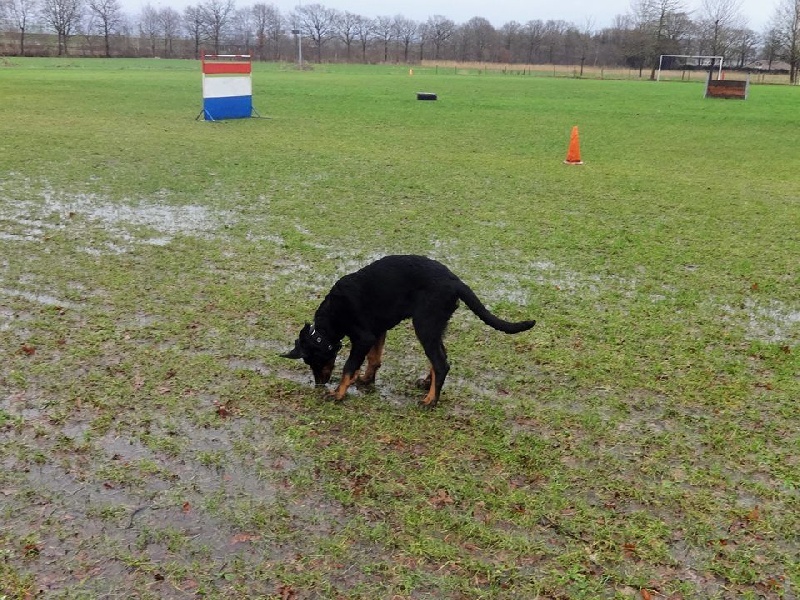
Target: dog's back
399,287
392,288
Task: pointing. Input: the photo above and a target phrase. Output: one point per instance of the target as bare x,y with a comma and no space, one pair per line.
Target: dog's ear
295,353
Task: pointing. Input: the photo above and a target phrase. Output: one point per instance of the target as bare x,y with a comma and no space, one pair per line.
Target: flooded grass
641,441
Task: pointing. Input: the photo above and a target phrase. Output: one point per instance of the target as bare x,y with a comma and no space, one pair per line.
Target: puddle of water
105,249
271,238
25,404
170,220
507,289
772,322
123,448
17,227
36,298
26,237
33,219
12,320
137,320
294,375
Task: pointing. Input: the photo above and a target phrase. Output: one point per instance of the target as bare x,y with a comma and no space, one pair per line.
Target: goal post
698,57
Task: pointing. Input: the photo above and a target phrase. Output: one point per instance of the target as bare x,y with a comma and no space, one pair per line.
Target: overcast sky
599,13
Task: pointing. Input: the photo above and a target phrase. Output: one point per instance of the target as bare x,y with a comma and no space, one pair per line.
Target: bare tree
346,26
585,42
533,34
63,16
478,38
744,42
657,21
405,30
268,24
364,30
719,19
193,24
771,50
786,30
440,29
632,39
315,21
243,27
509,36
423,37
150,27
553,38
170,25
384,32
109,17
216,16
20,12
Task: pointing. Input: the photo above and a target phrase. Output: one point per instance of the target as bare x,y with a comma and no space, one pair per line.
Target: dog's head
317,351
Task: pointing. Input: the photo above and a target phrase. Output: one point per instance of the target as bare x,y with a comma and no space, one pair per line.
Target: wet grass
641,441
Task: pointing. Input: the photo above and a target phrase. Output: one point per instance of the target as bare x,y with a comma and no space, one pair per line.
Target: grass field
640,442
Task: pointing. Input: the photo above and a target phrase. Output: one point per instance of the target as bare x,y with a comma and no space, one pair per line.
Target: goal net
693,61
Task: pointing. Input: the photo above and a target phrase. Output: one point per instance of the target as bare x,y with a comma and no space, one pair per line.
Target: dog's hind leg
439,370
374,360
423,383
431,397
430,336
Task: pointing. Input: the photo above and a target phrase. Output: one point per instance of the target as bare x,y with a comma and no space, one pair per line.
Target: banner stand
227,87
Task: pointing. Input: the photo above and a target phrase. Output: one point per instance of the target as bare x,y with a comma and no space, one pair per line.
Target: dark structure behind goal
727,88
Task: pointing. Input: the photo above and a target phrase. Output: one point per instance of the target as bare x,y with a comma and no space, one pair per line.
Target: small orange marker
574,152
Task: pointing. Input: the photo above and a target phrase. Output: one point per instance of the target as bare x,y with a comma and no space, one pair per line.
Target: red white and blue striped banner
227,86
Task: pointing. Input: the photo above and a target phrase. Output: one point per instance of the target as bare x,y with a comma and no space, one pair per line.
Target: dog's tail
476,306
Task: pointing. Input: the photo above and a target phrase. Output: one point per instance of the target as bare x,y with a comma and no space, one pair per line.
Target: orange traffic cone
574,152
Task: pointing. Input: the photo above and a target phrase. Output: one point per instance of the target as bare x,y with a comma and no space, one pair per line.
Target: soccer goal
698,61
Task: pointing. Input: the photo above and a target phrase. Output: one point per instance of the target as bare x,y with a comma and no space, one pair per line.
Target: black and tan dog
364,305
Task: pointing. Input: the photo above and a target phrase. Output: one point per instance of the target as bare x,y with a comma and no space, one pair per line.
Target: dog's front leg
341,390
352,366
374,359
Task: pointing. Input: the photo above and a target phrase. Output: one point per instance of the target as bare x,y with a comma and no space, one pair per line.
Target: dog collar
318,338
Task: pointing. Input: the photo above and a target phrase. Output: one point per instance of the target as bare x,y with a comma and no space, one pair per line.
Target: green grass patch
644,436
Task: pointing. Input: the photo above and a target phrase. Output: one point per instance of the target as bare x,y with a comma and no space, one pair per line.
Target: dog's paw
426,404
334,396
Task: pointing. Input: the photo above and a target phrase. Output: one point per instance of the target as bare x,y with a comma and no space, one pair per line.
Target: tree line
318,33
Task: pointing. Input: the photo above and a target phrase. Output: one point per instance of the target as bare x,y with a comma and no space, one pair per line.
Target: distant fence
595,72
